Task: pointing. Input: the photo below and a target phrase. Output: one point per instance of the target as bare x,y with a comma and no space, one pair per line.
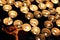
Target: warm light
45,13
35,30
55,31
10,2
26,27
58,22
34,22
7,7
48,24
55,1
42,6
7,21
46,32
12,14
18,4
29,15
37,14
18,23
33,8
24,9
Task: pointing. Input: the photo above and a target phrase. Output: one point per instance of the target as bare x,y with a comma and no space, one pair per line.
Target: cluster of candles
26,6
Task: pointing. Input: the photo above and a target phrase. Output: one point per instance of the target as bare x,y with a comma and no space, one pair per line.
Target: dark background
22,35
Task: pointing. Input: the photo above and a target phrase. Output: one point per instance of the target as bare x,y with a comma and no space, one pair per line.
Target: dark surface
22,35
